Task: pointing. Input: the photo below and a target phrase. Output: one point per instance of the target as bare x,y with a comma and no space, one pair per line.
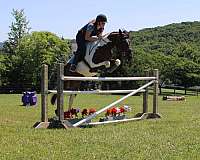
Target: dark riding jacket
90,27
81,42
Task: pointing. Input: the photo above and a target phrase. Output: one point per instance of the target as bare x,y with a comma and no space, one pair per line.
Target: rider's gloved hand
100,37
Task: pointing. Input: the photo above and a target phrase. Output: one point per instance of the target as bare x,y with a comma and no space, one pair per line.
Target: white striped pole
112,104
69,78
144,115
96,91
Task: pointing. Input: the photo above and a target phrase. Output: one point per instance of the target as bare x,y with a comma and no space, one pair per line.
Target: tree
18,29
173,49
34,50
2,68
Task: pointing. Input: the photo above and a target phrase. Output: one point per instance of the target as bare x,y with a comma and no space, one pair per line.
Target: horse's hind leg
71,100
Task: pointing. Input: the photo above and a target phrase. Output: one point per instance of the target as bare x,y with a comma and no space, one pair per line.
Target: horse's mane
111,35
123,32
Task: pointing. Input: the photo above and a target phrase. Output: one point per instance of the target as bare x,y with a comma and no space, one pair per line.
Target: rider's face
101,24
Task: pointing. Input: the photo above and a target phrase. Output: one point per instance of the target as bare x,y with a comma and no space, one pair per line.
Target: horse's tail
53,99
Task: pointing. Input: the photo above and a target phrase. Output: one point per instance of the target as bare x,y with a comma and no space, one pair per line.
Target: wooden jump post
44,99
60,85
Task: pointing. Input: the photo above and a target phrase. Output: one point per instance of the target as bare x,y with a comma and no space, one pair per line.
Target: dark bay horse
102,55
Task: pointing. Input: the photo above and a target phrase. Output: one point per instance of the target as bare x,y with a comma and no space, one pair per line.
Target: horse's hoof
117,62
107,64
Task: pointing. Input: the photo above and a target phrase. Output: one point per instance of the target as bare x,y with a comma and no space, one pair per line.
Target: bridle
120,48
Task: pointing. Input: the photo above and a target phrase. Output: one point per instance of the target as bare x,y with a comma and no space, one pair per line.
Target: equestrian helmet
101,18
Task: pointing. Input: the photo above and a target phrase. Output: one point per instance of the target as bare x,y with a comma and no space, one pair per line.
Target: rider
89,33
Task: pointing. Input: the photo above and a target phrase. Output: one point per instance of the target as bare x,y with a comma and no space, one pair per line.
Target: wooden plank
145,95
155,92
44,93
60,85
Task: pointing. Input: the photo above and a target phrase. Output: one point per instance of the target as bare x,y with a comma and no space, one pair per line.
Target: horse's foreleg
71,100
116,64
53,99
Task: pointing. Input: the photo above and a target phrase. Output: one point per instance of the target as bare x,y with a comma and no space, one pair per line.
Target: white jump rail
112,104
68,78
144,116
96,91
60,86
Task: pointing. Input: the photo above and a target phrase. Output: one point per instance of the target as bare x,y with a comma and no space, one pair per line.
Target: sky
66,17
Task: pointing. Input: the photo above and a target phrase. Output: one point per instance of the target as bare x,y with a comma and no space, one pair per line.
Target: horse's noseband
122,50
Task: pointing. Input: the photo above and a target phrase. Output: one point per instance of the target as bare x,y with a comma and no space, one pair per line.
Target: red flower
92,110
84,112
122,110
67,114
114,111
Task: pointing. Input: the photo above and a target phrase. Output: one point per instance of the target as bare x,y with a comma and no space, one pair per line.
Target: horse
101,55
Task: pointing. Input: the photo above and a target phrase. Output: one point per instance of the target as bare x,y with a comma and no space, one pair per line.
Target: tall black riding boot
77,58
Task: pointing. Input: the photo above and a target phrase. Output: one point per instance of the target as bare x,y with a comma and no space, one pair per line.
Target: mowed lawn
175,136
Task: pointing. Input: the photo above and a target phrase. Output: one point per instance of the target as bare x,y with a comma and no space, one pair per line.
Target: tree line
173,49
24,53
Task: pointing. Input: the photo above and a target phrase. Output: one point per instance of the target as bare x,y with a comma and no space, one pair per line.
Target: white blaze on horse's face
128,42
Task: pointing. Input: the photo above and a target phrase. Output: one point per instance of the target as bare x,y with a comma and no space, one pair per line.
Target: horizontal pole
112,104
69,78
120,120
96,91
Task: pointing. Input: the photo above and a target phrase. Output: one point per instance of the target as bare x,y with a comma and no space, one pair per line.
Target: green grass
175,136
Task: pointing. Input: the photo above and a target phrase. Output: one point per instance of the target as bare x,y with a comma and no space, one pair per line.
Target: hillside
174,49
181,39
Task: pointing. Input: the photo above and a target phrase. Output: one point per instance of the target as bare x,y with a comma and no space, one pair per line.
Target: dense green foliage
35,49
173,49
2,68
24,53
174,136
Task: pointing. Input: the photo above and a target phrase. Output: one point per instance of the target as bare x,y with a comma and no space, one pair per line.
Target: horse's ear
126,33
120,31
